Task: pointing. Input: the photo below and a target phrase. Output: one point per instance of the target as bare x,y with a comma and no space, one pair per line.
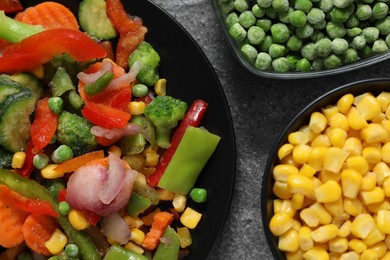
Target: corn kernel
380,248
305,240
353,207
382,171
18,160
179,202
374,133
350,181
357,163
373,196
137,236
340,219
386,256
111,241
325,233
328,192
351,255
115,150
77,219
345,103
285,150
300,184
284,206
321,141
338,137
338,245
386,186
297,255
379,118
383,221
345,229
362,225
301,153
374,237
374,208
334,159
329,111
184,236
281,190
316,157
368,182
288,241
160,87
134,248
339,120
353,146
317,122
383,99
298,137
165,195
386,152
372,154
335,208
49,173
369,107
357,245
316,253
138,222
57,242
314,215
280,223
129,221
190,218
297,201
136,107
355,119
282,171
38,72
369,255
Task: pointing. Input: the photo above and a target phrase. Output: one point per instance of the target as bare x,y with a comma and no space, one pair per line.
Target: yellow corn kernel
340,219
317,122
190,218
351,255
362,225
136,107
351,181
374,133
325,176
358,163
78,219
357,245
345,229
338,137
137,236
280,223
296,225
281,190
305,240
355,119
386,256
179,202
325,233
316,253
369,107
160,87
282,171
151,159
374,208
49,173
309,133
129,221
38,72
368,182
330,191
164,194
184,236
314,215
301,153
386,123
386,152
375,195
316,157
379,118
288,241
329,111
335,208
18,160
339,120
298,137
138,222
345,103
383,99
372,154
380,248
321,141
374,237
284,206
297,201
134,248
353,146
115,150
369,255
111,241
386,186
338,245
382,171
57,242
353,207
297,255
300,184
285,150
307,170
334,159
383,221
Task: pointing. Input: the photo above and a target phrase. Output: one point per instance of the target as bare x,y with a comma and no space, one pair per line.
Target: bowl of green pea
286,39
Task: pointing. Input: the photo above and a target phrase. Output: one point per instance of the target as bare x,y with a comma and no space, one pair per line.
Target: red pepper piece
105,116
192,118
40,48
92,217
44,125
28,165
11,6
62,195
35,206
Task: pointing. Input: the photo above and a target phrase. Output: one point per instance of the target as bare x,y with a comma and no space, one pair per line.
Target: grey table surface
260,110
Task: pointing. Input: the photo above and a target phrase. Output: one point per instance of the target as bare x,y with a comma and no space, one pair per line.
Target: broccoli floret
165,112
149,59
5,159
75,132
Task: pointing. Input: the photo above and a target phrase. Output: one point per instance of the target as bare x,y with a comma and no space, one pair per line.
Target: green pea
198,195
339,15
353,32
352,21
316,36
358,42
280,5
139,90
326,5
332,61
249,52
62,154
247,19
227,6
350,56
303,5
264,46
237,32
315,16
64,208
379,46
231,19
241,5
380,10
263,61
342,3
280,64
383,26
271,13
71,250
305,31
298,18
371,34
303,65
363,12
280,33
264,3
317,64
258,11
319,26
366,51
339,46
292,60
40,161
264,24
55,104
324,47
309,51
284,17
255,35
294,43
387,40
335,30
276,50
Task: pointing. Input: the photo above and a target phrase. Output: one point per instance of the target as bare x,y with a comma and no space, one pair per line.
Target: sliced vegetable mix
91,142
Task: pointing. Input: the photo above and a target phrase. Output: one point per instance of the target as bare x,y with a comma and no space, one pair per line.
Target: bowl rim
328,98
233,45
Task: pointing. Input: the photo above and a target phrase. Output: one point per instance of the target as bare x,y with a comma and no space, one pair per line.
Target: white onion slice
114,227
125,80
129,129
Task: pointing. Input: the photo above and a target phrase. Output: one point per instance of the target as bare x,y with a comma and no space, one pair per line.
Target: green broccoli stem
163,137
14,31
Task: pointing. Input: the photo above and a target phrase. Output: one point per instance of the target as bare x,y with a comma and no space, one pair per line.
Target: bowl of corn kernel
326,186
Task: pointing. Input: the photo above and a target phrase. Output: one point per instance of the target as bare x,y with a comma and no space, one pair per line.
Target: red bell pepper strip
105,116
62,195
40,48
35,206
192,118
11,6
44,126
28,165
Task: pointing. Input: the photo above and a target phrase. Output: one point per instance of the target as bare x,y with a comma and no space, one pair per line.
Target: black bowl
375,86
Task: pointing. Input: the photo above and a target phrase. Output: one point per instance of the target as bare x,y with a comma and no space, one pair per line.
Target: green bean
280,32
237,32
379,46
255,35
264,24
249,52
371,34
247,19
298,18
309,51
100,84
363,12
324,47
303,65
332,61
380,10
280,5
231,19
241,5
263,61
294,43
258,11
315,16
305,31
276,50
350,56
280,64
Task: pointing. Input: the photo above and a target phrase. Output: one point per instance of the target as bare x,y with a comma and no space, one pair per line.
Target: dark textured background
260,108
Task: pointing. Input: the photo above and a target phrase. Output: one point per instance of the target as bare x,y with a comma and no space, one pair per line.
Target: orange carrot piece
101,161
11,220
50,15
161,221
75,163
37,230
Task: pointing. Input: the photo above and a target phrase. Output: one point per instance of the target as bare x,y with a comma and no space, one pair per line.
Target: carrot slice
37,229
161,221
50,15
75,163
11,219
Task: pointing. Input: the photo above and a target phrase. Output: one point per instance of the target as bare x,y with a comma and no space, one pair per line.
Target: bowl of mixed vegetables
305,39
105,151
326,184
